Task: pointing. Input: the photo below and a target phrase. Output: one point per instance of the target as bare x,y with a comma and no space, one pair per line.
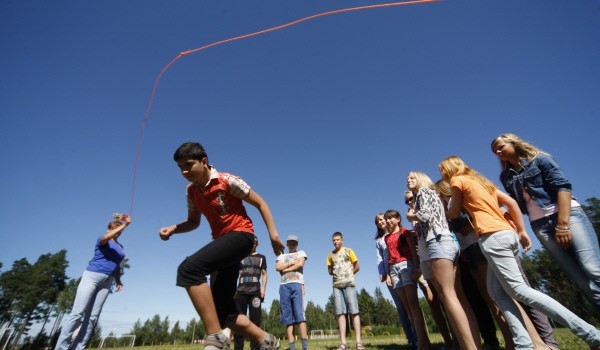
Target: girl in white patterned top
438,252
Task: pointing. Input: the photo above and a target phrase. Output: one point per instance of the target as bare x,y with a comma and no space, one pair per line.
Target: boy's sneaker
216,341
270,343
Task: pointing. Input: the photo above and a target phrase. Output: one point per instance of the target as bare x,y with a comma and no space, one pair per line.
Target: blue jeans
404,320
581,262
91,295
505,282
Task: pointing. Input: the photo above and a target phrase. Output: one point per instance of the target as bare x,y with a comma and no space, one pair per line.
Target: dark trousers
251,305
485,319
219,259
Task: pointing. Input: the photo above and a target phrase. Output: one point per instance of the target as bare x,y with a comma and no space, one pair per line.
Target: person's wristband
562,228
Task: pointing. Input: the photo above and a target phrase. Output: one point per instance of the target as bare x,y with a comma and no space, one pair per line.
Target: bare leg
244,326
356,325
290,333
410,299
342,326
303,330
202,299
466,327
437,314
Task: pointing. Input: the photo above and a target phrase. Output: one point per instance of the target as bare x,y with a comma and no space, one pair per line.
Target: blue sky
323,119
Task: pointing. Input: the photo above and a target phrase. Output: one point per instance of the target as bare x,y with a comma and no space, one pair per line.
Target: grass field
565,338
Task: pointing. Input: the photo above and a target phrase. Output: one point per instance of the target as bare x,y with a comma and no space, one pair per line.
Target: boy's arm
263,286
263,208
192,222
295,265
354,261
330,269
280,265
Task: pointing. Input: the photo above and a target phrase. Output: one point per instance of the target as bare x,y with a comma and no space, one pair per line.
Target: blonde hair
453,166
442,187
422,181
524,149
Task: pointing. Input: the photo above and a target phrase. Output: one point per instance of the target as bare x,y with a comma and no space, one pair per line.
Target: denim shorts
291,303
401,274
345,301
441,247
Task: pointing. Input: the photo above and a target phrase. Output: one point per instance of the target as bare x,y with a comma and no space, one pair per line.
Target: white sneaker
217,341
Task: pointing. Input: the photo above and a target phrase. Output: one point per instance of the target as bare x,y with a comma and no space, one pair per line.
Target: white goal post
324,334
120,340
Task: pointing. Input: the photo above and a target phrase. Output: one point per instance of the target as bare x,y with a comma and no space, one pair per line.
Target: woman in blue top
96,282
534,179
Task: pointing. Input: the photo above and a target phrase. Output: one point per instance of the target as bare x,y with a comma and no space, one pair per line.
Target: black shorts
219,259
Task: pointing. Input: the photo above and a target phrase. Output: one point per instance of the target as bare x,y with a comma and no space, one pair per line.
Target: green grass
565,338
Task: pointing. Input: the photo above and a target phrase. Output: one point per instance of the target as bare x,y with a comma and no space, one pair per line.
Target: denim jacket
541,177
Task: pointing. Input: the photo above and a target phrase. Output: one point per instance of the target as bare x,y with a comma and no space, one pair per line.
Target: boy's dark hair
336,234
392,214
190,150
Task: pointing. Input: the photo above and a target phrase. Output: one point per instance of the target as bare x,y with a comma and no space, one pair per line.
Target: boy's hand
277,244
388,281
166,232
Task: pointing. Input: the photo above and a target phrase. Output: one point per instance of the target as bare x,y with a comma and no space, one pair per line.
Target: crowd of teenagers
461,251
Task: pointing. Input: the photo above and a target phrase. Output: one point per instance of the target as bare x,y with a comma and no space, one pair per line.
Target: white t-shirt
292,276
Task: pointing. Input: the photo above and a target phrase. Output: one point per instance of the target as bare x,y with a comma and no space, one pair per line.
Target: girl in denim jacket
534,179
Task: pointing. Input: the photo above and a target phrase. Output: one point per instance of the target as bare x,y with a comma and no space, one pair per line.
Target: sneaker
217,341
270,343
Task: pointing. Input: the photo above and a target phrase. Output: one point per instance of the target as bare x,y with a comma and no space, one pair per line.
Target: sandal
342,347
359,346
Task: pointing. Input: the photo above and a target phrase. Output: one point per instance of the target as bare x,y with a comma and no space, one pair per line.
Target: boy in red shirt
219,196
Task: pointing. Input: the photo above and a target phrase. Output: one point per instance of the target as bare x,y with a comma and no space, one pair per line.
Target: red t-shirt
220,201
397,244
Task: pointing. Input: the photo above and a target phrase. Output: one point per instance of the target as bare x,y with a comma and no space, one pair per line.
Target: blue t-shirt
107,257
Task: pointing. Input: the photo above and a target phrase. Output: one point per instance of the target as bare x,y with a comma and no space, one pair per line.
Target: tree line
41,293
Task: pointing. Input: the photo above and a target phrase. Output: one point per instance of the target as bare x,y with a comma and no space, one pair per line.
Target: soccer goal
111,341
324,334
